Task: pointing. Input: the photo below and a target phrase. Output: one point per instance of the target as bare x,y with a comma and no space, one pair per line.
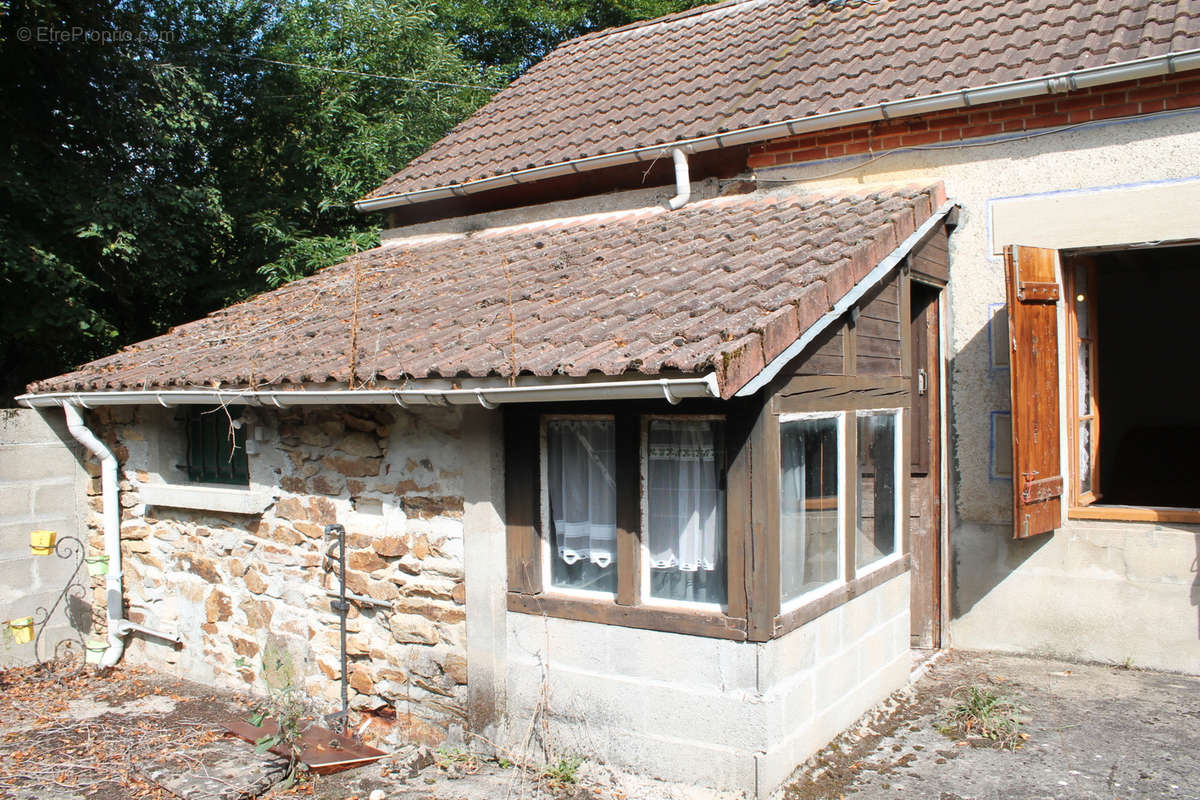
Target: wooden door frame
938,461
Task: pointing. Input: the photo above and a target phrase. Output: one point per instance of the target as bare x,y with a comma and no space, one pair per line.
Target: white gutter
118,626
848,301
1012,90
683,182
671,389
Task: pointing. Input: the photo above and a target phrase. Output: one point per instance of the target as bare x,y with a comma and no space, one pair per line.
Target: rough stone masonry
249,593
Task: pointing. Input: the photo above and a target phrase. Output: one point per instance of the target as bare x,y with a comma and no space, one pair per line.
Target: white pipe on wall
118,626
683,181
112,530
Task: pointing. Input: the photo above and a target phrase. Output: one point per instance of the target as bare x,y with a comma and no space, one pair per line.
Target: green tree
152,180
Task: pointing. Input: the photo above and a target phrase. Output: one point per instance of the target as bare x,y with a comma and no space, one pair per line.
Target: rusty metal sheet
321,749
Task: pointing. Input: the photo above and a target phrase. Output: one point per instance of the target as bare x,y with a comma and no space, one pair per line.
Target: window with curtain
581,491
685,510
876,518
810,505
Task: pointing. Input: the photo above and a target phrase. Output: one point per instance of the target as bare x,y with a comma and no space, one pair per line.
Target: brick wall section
1166,93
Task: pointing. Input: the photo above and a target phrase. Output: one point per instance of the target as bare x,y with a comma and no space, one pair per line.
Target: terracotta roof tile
643,293
750,62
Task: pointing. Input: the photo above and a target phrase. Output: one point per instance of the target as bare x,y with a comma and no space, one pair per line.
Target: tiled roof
722,284
751,62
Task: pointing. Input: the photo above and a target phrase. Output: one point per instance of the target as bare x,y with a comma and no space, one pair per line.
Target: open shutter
1033,295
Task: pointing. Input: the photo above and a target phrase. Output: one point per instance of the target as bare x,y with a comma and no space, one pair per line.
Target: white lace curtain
684,496
581,462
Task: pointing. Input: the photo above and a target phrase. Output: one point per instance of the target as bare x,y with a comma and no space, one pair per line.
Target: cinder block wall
41,487
730,715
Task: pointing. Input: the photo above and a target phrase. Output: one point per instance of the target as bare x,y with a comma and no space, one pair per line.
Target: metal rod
342,607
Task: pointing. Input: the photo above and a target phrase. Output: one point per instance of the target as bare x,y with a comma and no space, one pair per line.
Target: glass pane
582,490
809,543
1085,456
685,505
876,518
1081,300
1084,377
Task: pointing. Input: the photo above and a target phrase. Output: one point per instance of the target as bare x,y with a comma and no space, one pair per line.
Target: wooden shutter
1033,295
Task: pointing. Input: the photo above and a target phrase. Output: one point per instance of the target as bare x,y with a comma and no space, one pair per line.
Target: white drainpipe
118,626
683,182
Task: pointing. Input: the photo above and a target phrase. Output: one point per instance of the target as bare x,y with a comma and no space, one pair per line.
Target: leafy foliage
215,150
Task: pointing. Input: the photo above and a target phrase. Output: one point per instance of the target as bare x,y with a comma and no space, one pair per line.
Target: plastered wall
1051,189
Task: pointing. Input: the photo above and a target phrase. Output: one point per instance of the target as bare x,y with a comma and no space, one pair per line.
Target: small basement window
216,445
1134,425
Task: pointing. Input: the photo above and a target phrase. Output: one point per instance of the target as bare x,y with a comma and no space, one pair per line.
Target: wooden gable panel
877,333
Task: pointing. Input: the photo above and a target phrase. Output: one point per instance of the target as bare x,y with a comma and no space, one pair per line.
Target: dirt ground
1087,731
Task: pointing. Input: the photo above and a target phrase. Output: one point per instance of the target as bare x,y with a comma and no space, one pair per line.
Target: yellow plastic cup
22,630
42,542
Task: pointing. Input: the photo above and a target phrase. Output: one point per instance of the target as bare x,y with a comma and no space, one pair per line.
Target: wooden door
1033,296
925,499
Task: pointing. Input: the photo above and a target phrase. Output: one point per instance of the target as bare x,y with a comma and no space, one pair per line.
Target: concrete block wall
728,715
42,486
818,680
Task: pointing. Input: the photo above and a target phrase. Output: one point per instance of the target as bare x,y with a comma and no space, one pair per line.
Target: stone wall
249,592
41,488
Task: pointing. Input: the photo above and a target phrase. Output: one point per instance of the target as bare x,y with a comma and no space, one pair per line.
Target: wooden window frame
643,596
843,491
901,488
1083,505
547,546
529,536
1080,498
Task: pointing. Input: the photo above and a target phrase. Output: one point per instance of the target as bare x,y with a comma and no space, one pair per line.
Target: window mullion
628,477
850,484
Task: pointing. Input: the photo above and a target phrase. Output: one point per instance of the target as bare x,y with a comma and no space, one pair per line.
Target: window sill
1136,514
798,617
693,622
204,498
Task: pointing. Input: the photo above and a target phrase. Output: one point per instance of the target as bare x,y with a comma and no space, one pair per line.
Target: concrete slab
225,769
1095,731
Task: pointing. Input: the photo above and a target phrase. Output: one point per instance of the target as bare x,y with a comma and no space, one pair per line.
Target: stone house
712,367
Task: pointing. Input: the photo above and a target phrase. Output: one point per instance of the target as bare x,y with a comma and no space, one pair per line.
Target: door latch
922,381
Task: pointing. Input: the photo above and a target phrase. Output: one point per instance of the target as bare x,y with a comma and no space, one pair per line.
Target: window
621,518
1133,430
580,511
810,512
684,517
877,492
216,445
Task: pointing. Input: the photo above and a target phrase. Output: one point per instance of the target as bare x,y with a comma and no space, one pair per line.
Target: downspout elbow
112,530
683,180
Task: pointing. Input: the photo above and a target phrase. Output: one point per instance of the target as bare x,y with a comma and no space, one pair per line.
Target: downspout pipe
118,626
112,530
683,181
